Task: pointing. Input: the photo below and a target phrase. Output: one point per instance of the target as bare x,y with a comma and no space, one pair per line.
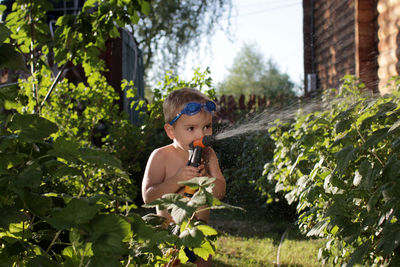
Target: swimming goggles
193,108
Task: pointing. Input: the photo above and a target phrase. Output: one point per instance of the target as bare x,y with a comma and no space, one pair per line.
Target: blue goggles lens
193,108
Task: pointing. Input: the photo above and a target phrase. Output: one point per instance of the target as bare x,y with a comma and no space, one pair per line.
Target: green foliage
341,166
43,222
52,227
187,232
63,201
250,74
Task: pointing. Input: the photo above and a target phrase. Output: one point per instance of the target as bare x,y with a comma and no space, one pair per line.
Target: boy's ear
169,129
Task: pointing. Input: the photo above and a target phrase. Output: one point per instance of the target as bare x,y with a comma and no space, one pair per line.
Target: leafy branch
192,233
353,204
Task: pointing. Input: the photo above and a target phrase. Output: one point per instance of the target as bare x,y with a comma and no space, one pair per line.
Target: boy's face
189,128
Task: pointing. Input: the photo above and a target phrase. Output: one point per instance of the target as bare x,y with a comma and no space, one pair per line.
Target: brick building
359,37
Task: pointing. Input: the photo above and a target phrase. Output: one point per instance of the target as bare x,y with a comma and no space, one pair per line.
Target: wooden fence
230,109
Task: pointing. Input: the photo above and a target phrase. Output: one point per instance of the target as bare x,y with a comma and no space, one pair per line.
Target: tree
174,27
63,201
251,74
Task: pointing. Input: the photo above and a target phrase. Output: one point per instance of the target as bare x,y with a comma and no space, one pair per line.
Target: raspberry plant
341,167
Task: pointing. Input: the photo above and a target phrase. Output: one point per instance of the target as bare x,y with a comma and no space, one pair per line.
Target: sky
275,26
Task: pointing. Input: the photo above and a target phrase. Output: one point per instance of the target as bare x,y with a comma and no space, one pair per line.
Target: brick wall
341,37
334,41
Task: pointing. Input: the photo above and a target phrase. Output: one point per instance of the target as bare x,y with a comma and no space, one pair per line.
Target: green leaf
182,212
182,256
99,158
376,137
64,171
103,261
32,128
77,212
30,177
344,158
205,251
2,9
218,204
318,228
153,219
202,252
207,230
395,260
368,174
65,149
38,204
391,170
162,237
108,233
142,232
135,18
191,237
41,261
6,141
344,141
11,215
343,125
394,127
391,238
73,255
89,4
372,201
145,7
358,255
197,182
4,33
198,199
166,201
11,58
176,204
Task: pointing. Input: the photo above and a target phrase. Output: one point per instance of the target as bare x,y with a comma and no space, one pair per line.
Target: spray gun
195,151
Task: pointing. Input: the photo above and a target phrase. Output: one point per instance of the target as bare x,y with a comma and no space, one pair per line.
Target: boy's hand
202,170
188,172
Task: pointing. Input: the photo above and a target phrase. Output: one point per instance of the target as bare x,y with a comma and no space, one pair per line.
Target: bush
65,204
342,165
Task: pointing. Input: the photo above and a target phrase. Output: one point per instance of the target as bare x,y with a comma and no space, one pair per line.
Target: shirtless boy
188,116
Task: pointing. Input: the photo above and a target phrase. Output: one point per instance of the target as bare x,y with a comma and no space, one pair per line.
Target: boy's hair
177,99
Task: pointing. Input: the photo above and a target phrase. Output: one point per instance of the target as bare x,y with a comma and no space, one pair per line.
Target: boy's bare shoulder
163,152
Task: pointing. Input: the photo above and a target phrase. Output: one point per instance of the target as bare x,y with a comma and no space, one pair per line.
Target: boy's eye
208,126
190,129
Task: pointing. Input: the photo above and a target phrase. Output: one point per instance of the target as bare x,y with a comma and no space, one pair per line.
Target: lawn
248,240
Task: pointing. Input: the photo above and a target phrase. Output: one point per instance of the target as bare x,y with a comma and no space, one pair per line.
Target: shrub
341,165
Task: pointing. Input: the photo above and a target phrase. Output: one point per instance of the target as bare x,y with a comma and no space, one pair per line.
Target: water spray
264,120
259,122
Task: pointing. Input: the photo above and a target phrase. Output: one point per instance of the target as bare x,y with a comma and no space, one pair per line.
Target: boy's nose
199,134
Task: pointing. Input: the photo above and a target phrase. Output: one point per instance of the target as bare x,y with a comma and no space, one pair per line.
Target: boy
188,116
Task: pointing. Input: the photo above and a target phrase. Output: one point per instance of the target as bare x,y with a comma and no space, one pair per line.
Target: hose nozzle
206,140
195,152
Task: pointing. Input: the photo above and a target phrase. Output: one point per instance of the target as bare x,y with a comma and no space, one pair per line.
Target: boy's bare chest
173,164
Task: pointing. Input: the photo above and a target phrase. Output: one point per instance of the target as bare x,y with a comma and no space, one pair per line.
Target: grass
249,240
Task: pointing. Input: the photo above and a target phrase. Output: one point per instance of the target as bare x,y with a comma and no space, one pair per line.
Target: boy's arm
154,184
214,170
